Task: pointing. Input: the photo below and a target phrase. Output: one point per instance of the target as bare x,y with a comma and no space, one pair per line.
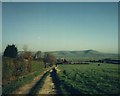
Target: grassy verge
8,88
37,65
37,69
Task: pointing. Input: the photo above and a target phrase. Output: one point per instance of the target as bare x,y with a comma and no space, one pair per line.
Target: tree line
12,52
19,64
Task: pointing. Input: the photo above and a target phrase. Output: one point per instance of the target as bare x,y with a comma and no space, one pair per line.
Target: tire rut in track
47,83
48,87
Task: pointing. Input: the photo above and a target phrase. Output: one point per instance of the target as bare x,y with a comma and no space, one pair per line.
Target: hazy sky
61,26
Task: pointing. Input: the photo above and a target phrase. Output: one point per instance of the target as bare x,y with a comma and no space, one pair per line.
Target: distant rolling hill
80,55
85,54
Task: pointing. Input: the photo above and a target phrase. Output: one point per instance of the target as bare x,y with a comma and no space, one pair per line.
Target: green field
89,79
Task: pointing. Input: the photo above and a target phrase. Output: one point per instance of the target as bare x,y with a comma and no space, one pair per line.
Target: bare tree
27,57
49,59
38,55
25,48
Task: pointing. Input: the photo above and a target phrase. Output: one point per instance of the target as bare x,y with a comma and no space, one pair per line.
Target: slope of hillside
80,55
86,54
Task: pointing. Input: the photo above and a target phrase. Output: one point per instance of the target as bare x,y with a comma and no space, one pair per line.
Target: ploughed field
89,79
